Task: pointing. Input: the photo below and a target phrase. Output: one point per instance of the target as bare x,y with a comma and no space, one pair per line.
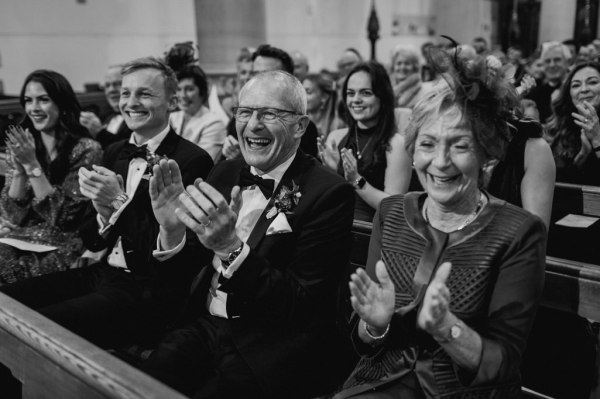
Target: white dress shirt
135,173
253,205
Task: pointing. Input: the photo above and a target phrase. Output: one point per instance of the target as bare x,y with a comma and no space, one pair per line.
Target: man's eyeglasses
266,115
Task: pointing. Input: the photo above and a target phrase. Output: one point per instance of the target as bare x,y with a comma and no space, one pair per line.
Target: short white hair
293,90
564,50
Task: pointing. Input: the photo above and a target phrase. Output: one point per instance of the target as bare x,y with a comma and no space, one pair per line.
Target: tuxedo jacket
137,225
106,138
281,302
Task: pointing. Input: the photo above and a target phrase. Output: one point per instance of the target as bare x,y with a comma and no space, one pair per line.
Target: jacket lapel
260,229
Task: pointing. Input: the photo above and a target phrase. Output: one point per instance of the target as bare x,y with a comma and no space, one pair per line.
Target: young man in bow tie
122,298
275,233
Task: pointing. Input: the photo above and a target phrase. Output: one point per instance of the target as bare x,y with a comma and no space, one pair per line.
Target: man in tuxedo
113,128
123,299
269,58
275,233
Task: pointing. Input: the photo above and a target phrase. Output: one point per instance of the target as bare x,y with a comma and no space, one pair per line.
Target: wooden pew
52,362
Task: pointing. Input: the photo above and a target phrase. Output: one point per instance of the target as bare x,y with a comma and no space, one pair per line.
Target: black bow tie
247,179
131,151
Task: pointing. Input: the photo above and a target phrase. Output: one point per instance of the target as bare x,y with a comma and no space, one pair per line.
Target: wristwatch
118,202
452,333
232,256
35,172
359,182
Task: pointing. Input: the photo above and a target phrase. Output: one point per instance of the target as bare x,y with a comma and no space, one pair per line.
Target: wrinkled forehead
450,119
273,91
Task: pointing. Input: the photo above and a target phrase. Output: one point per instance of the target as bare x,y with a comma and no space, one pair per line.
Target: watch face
36,172
455,331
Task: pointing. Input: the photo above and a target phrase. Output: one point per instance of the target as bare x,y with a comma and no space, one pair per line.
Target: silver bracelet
374,337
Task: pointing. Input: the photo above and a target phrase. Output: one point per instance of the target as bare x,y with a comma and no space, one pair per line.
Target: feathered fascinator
483,89
181,55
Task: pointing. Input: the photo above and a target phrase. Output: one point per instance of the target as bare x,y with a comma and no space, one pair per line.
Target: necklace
467,220
359,152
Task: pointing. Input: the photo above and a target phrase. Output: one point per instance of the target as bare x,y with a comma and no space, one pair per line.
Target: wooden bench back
52,362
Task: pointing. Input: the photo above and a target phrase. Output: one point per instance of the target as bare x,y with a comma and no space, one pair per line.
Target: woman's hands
435,314
350,165
374,303
587,119
22,148
328,153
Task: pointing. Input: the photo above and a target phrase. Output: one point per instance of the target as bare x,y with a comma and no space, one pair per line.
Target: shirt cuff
163,255
227,273
102,228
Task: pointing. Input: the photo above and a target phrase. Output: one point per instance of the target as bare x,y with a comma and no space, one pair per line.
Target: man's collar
154,142
278,172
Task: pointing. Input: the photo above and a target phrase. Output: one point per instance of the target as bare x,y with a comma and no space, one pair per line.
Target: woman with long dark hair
574,130
370,152
40,204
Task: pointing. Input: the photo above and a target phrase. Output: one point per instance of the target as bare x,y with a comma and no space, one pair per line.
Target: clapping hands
374,303
435,310
21,145
200,207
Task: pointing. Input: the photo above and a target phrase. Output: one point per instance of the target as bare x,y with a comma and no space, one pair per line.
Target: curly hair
386,120
67,131
561,131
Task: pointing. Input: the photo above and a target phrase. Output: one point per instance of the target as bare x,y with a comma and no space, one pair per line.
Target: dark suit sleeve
306,282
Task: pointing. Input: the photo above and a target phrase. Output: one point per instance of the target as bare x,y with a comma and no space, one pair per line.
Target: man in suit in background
275,233
113,128
122,299
269,58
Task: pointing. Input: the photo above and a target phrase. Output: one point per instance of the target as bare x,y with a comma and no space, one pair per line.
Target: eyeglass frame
261,110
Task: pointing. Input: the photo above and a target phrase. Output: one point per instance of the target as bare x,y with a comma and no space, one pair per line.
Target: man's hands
91,122
206,213
374,303
102,186
201,208
165,187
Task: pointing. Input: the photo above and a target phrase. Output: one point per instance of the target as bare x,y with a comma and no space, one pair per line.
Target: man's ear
172,106
301,126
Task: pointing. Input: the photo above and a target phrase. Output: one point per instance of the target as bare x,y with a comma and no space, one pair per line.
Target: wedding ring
586,120
207,223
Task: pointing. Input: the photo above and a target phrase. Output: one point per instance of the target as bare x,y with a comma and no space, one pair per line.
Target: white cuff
163,255
102,228
227,273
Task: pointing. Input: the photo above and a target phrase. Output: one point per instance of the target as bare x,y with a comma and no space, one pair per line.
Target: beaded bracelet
374,337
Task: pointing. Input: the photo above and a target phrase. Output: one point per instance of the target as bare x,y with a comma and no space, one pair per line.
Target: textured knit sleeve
14,210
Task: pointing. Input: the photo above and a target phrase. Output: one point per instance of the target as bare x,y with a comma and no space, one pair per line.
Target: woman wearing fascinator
369,153
194,121
454,275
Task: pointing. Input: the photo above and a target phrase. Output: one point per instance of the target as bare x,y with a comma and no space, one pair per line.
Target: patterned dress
495,284
52,220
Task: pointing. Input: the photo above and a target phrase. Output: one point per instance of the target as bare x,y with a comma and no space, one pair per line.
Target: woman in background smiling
370,152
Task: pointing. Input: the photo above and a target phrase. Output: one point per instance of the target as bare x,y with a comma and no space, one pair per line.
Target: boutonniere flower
285,201
152,159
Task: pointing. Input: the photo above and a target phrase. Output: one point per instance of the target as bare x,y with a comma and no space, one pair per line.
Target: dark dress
561,346
373,172
51,221
495,283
